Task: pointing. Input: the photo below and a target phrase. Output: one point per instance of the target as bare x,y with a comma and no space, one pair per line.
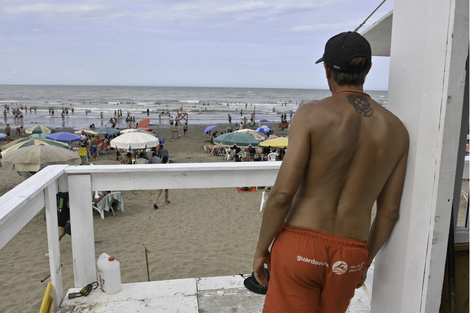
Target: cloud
46,10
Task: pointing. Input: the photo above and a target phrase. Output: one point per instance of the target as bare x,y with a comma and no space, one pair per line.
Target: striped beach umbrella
39,129
30,141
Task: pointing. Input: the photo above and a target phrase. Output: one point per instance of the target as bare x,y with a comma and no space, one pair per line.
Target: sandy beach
201,233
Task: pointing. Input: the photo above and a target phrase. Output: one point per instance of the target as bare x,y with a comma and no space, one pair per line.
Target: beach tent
239,139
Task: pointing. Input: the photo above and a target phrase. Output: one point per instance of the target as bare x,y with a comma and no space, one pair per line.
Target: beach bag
62,199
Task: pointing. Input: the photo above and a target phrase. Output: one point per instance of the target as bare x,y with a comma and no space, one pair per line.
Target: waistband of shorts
325,237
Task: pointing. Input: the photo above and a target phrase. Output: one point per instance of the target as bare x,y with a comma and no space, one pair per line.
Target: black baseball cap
342,48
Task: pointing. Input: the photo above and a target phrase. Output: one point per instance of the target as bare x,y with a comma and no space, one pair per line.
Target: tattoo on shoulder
361,104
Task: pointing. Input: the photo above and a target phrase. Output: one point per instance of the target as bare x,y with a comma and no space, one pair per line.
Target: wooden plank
179,176
53,242
409,270
83,238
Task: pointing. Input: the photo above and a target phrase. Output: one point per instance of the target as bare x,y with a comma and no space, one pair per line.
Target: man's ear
370,66
327,70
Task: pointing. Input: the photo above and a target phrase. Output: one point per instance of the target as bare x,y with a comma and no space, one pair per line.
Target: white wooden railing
21,204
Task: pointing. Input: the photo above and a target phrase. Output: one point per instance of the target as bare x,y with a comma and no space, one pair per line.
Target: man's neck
335,88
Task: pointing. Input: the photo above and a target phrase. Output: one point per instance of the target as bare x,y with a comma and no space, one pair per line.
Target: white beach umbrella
134,140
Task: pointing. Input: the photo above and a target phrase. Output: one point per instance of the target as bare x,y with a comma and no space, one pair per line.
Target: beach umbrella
143,123
107,130
263,121
39,129
39,135
133,130
135,140
34,158
279,142
239,139
258,136
30,141
264,128
64,137
209,128
86,131
81,128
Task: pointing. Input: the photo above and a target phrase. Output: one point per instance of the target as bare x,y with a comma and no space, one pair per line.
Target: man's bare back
353,145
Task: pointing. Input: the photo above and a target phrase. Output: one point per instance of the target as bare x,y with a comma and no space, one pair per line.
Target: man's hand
258,267
363,278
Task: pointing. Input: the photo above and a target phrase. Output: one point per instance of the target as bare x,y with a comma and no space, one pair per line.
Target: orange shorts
313,272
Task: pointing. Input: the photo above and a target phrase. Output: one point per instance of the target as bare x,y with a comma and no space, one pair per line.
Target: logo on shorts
340,267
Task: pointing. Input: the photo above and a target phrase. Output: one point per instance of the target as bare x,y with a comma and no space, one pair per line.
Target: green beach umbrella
107,130
239,139
39,135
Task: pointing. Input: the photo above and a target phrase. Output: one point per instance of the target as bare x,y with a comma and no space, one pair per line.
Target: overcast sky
217,43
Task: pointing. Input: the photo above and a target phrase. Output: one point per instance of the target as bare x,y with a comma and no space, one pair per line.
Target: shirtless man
345,152
93,146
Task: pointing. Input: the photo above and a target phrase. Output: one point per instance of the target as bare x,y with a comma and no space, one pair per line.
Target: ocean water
204,105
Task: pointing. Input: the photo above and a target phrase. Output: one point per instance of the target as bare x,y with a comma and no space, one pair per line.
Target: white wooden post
83,238
426,92
53,243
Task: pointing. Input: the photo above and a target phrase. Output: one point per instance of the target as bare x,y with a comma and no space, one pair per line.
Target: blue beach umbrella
209,128
64,137
263,128
263,121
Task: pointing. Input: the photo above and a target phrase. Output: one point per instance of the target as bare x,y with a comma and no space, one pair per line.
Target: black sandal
155,206
167,202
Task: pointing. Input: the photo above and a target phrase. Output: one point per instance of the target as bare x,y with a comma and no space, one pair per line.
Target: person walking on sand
185,129
159,192
319,210
7,132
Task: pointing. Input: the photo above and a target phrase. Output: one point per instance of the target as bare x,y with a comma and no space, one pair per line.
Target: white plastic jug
109,273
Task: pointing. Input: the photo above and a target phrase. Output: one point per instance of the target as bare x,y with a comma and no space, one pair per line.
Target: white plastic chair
272,156
106,203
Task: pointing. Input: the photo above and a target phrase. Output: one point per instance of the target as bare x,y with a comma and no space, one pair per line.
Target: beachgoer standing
7,132
319,210
159,192
93,146
185,129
